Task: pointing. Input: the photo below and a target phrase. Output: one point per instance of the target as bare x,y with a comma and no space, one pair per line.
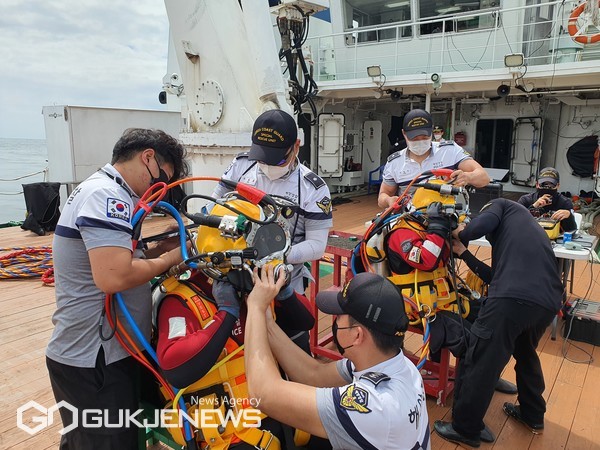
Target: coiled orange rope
27,262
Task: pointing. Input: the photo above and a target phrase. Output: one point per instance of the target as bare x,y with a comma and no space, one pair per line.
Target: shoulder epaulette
314,179
394,155
442,143
242,155
374,377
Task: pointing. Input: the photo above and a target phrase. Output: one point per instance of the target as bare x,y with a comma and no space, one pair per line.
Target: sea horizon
19,157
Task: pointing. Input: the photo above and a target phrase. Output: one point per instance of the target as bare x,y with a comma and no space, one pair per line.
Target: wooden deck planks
571,389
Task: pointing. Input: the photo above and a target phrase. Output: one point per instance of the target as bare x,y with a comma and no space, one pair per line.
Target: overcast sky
78,52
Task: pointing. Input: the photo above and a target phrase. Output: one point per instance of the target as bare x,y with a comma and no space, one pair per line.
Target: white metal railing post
356,54
442,46
453,120
496,19
396,51
556,35
319,56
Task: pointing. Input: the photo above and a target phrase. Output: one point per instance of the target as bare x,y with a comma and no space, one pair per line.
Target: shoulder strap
375,377
314,179
444,143
394,155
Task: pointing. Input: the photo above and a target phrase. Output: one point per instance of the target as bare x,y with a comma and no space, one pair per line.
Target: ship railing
22,177
467,41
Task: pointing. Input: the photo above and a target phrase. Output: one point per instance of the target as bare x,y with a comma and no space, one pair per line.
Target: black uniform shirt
559,201
523,263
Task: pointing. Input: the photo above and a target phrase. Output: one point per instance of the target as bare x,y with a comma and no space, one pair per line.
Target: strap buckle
268,444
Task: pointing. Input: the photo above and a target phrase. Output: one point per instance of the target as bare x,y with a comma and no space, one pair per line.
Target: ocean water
19,158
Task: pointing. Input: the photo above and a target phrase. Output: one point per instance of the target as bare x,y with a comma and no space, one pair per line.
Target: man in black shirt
546,200
524,295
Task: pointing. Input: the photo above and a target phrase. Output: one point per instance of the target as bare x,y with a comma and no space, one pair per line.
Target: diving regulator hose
150,201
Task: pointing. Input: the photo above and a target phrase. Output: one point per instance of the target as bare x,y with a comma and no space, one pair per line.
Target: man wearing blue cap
422,155
372,399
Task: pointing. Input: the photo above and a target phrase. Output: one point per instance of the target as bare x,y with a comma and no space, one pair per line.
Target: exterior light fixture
514,60
374,71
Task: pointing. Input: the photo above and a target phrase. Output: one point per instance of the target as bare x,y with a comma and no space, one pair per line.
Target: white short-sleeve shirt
383,407
400,169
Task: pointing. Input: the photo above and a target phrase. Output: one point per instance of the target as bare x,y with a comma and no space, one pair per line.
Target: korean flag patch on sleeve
118,209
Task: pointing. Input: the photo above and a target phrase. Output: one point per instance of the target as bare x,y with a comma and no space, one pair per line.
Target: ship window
360,14
493,143
445,9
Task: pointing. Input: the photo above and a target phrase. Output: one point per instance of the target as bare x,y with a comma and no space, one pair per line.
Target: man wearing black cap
421,155
272,166
372,399
546,200
510,323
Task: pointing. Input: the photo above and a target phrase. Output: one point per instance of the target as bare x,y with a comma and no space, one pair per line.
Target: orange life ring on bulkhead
573,30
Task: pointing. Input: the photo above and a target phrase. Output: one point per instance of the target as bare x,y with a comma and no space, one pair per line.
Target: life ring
575,32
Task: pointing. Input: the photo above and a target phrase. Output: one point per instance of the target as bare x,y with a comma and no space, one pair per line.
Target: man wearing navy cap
272,166
421,155
372,399
546,200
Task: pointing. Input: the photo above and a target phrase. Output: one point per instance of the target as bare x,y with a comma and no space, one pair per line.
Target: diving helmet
218,240
241,242
423,197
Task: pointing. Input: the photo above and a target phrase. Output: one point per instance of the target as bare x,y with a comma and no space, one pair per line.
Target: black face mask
334,330
162,175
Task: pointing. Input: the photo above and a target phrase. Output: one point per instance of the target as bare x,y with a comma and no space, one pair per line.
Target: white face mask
437,137
274,172
419,147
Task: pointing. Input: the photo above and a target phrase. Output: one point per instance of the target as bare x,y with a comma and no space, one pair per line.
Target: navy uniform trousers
504,327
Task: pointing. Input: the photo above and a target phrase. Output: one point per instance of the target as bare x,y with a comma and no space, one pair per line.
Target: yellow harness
429,291
224,384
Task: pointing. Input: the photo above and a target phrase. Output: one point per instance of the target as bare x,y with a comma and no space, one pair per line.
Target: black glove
438,224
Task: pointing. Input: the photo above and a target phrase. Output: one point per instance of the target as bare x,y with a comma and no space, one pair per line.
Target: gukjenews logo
201,418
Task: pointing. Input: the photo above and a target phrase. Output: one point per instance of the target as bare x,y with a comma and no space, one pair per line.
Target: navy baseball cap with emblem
370,299
549,175
273,134
417,122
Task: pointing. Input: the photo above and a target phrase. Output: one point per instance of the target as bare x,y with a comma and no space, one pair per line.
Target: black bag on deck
42,201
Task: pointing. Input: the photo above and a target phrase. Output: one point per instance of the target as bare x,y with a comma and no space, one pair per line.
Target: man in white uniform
272,166
372,399
422,155
93,256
